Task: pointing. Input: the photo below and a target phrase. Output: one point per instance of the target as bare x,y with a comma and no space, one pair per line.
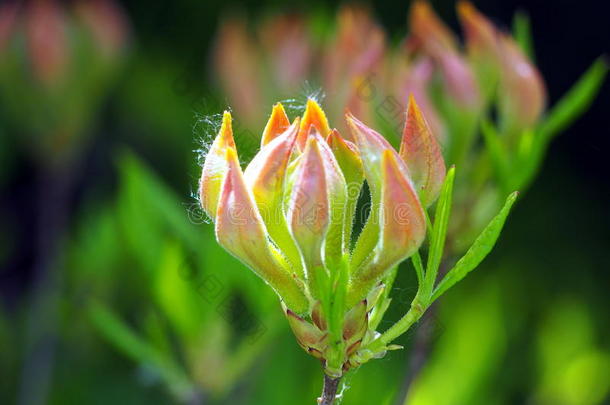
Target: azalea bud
522,93
47,40
429,31
482,46
288,48
356,51
289,218
240,230
313,116
309,337
396,226
481,35
8,19
215,167
437,41
107,23
350,163
277,124
265,176
415,80
422,154
316,210
237,65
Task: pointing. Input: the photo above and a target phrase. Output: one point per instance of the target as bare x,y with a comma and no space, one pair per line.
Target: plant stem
422,344
400,327
55,187
329,392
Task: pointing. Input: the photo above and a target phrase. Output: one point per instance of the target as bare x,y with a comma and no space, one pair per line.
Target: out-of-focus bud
416,80
215,167
237,64
8,19
362,97
422,154
481,35
401,221
522,94
356,51
313,116
436,40
107,23
47,40
285,39
429,31
240,230
481,46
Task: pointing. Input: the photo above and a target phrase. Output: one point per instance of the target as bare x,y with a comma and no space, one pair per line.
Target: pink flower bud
215,167
422,154
237,65
415,80
357,49
107,23
313,116
403,222
481,34
265,176
47,40
316,211
277,124
285,38
522,92
240,230
396,226
8,19
436,40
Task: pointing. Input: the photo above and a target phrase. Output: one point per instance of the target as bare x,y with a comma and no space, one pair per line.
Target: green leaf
497,150
439,232
419,268
575,102
522,30
478,251
124,339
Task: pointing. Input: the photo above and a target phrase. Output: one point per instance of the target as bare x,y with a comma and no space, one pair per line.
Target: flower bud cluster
289,217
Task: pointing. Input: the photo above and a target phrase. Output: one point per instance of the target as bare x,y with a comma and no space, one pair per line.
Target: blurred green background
112,288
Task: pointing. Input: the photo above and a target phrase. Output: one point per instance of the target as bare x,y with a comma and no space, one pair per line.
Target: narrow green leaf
575,102
439,232
124,339
522,30
419,268
478,251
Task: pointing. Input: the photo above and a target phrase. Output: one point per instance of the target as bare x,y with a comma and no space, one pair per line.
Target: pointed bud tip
276,125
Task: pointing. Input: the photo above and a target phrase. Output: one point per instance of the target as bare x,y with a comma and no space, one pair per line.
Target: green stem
415,312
